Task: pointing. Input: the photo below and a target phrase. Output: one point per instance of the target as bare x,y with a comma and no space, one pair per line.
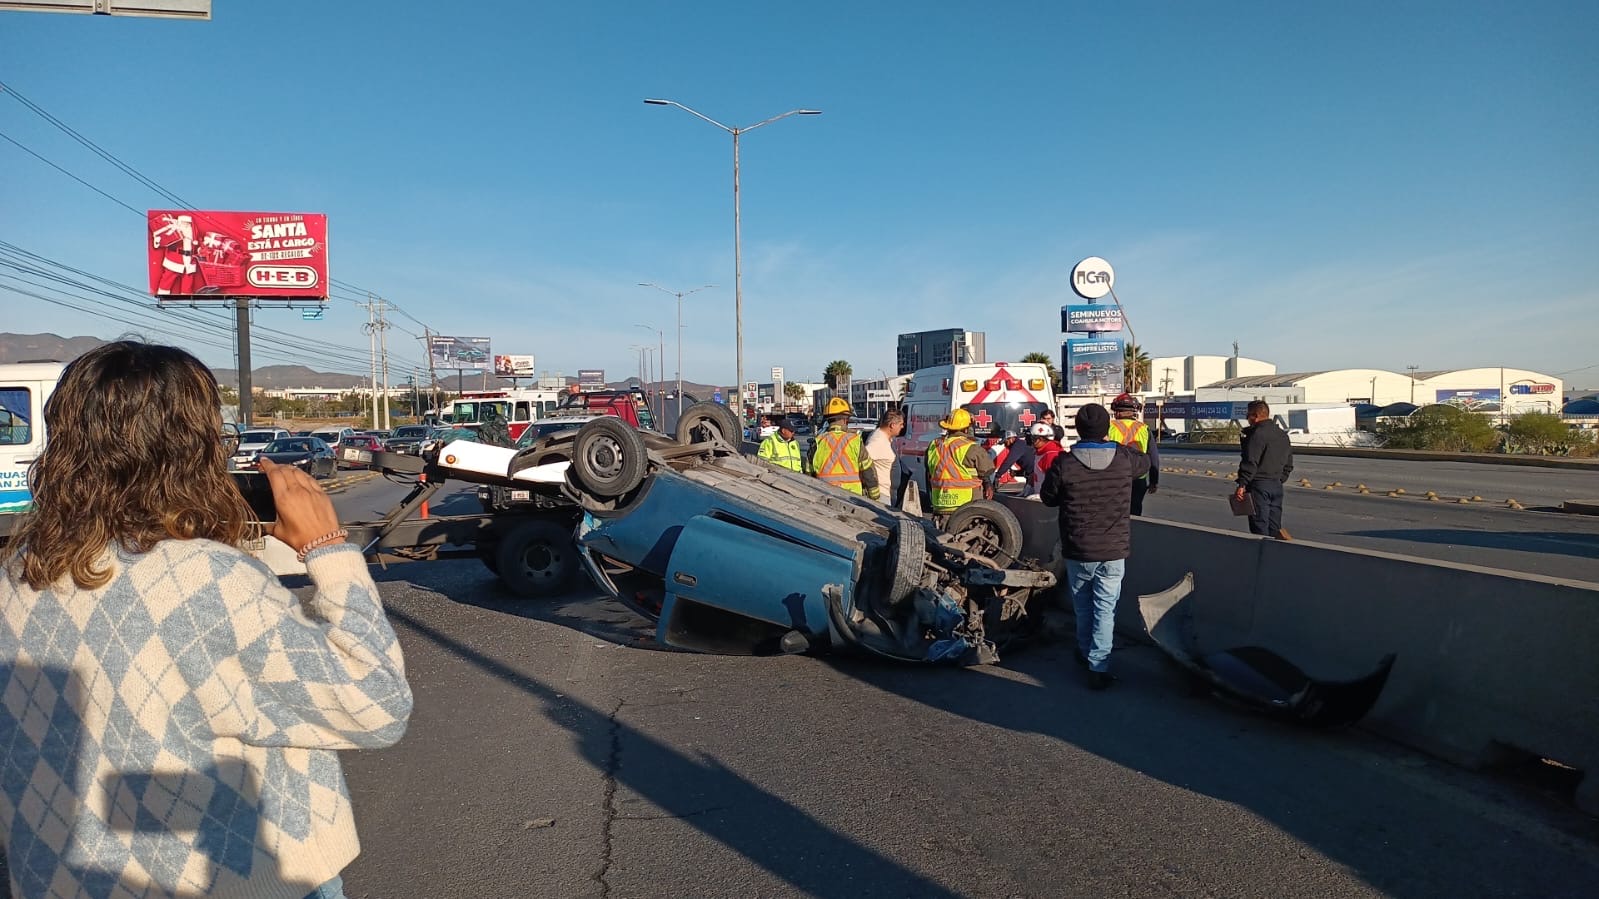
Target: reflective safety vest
1131,432
952,482
837,459
782,453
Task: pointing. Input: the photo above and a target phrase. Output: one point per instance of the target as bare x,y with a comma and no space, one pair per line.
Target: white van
24,387
1001,396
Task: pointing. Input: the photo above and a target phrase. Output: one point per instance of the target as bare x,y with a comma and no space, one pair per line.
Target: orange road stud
423,479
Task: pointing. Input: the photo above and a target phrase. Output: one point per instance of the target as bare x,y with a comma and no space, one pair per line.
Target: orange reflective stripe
947,473
838,466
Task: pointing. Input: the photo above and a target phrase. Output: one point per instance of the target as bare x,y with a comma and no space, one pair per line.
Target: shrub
1444,429
1546,434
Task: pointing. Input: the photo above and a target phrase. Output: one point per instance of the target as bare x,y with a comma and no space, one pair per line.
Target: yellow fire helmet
959,420
837,406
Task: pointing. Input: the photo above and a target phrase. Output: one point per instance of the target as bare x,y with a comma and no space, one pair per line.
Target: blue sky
1357,184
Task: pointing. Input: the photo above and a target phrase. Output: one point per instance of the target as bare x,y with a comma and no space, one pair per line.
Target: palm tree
793,391
1054,373
1135,368
837,372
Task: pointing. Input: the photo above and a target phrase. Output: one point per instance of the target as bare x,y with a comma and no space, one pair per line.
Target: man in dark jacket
1268,460
1090,484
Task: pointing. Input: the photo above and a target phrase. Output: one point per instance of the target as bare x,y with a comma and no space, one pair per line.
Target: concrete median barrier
1493,665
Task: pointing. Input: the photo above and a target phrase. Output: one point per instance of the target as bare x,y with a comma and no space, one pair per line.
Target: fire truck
1001,396
518,406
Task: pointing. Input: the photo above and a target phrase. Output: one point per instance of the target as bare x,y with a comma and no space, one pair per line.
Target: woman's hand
304,511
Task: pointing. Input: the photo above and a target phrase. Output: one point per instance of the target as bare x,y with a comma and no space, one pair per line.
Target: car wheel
907,561
988,529
702,422
608,457
535,558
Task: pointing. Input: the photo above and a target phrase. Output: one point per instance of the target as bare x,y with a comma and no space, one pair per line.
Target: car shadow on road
1557,542
768,831
1391,826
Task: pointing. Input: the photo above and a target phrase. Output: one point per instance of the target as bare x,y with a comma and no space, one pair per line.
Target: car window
16,412
258,436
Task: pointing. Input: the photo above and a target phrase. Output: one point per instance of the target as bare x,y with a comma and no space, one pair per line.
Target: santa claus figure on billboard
180,270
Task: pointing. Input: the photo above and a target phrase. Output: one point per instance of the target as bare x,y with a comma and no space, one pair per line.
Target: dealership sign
1093,278
591,378
1077,319
256,254
1093,366
459,353
1527,389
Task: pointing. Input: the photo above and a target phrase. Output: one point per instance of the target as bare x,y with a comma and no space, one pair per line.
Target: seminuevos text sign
259,254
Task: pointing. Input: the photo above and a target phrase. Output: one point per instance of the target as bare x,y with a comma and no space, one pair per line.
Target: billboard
458,352
256,254
1093,366
591,378
514,366
1480,399
1090,318
1531,389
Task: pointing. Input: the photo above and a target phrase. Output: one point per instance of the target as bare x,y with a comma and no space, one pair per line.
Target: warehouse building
1510,391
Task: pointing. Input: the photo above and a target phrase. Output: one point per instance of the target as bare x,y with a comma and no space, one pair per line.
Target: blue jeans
333,889
1095,587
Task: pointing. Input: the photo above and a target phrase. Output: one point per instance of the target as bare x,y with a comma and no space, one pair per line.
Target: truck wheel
987,529
536,558
703,421
608,457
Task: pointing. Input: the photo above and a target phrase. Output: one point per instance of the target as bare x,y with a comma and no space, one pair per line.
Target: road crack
613,762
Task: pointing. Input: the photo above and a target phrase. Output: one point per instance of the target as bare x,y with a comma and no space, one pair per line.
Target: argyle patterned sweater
173,732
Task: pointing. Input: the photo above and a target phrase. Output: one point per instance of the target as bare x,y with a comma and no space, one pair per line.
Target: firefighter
1127,430
957,465
840,458
780,448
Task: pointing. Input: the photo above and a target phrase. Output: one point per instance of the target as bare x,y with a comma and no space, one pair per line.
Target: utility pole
433,378
372,358
383,348
1412,369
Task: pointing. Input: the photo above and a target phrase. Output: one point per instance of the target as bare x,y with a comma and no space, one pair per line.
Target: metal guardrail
1410,455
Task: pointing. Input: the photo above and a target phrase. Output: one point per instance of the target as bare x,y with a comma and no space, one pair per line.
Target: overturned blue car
731,555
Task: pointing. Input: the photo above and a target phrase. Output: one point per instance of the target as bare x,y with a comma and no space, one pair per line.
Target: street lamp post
738,259
680,294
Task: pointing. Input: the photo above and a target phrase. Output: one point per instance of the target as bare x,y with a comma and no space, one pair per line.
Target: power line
18,145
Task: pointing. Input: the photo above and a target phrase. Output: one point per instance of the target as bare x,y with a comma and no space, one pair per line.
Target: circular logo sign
1093,278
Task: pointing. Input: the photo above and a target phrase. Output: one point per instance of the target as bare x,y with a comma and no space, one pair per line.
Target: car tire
701,421
536,558
996,527
907,561
608,457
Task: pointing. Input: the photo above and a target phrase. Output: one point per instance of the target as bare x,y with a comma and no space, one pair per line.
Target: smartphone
257,492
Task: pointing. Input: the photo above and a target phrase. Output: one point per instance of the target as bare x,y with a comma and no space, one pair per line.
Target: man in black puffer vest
1090,484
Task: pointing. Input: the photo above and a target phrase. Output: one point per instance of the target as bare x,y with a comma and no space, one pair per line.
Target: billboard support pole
241,313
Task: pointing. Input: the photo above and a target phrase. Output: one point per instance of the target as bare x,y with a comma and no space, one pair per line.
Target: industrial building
1170,375
1511,391
925,349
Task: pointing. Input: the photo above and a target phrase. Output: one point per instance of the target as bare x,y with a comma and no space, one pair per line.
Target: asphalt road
1548,543
555,752
1494,483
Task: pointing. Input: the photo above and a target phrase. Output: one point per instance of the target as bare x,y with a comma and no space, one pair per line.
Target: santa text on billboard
259,254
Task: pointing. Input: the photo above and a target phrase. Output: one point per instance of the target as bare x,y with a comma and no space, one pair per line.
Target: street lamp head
805,111
654,102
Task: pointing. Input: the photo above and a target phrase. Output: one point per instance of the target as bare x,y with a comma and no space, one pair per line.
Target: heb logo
299,277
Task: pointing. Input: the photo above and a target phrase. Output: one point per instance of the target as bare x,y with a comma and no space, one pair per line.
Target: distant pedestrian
780,448
840,458
1090,483
1127,430
880,448
1266,462
957,467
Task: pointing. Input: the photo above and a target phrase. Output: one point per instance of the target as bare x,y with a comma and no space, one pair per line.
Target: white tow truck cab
1000,396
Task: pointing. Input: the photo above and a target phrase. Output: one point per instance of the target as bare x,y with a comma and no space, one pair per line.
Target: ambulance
24,387
1001,396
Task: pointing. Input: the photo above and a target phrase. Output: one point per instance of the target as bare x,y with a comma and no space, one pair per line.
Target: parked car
309,454
363,441
406,439
251,443
333,437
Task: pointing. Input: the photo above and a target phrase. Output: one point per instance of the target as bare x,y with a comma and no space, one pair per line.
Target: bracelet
324,540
